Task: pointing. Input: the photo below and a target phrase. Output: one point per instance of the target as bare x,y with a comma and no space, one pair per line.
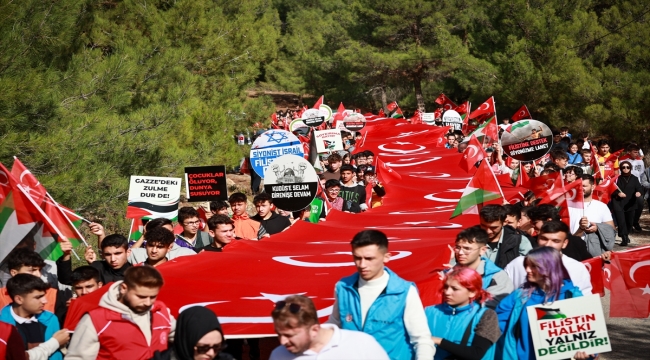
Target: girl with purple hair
547,280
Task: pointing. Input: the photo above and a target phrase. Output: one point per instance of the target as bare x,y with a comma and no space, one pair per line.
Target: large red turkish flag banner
242,283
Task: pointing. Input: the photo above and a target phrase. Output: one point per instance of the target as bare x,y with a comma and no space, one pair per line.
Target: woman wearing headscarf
624,201
198,337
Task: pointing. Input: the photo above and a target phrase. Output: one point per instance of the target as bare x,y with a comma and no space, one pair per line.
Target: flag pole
68,211
67,218
42,213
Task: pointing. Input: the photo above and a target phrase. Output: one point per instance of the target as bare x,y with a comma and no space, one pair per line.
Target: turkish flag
381,113
472,154
319,102
417,118
385,173
614,156
340,113
522,113
595,268
30,184
603,191
463,108
630,295
486,108
446,102
542,185
391,107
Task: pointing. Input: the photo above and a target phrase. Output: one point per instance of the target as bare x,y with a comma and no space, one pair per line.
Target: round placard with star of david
273,144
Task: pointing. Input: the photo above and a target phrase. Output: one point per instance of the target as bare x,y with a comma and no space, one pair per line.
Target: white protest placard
273,144
153,197
429,118
564,327
328,140
291,181
452,118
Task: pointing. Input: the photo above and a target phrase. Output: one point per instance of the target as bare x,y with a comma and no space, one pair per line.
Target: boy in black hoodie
271,221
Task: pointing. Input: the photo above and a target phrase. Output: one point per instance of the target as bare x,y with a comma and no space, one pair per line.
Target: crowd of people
498,269
517,255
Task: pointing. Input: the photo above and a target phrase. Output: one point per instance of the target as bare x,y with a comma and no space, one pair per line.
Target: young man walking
471,245
378,302
270,220
222,230
38,328
129,322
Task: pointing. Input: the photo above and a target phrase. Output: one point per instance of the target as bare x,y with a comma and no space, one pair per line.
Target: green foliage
93,92
581,63
97,91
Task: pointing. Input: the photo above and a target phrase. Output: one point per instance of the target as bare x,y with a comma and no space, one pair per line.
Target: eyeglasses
625,167
202,349
192,223
293,307
333,190
464,250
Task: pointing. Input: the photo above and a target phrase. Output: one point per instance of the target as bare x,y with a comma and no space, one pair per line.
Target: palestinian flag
18,216
517,125
549,314
398,114
137,229
488,128
60,225
482,189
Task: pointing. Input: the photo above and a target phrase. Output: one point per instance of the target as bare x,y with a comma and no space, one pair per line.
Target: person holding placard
462,326
547,280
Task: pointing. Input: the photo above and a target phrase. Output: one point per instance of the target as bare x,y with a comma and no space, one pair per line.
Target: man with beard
129,322
595,219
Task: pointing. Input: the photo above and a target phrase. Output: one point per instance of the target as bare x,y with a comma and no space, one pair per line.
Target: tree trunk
417,84
384,101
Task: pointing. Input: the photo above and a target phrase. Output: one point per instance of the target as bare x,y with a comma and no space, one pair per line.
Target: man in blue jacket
38,328
378,302
471,244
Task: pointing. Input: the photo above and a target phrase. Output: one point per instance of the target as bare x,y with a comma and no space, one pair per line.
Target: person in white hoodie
129,322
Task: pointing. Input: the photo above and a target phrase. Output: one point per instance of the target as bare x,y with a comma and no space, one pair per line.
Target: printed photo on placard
312,117
152,197
328,140
354,122
206,183
527,140
291,181
273,144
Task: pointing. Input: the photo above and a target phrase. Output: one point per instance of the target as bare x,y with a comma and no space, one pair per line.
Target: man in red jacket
128,324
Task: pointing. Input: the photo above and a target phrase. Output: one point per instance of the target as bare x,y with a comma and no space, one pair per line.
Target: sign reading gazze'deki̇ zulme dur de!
562,328
153,197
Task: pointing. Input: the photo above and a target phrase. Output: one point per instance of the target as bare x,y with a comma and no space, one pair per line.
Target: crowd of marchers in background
516,256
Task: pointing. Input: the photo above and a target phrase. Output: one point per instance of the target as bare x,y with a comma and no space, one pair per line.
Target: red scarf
240,217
